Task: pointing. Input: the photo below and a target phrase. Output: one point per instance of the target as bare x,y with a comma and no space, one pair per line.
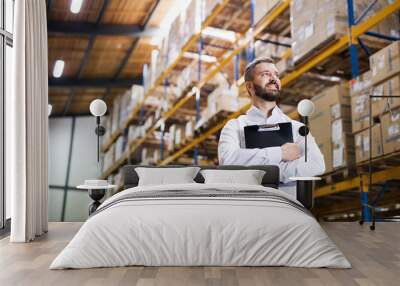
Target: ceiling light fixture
58,68
76,6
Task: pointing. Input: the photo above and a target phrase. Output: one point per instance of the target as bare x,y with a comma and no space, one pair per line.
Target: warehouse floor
375,257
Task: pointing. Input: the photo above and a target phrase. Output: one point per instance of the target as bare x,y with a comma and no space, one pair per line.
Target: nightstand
96,190
305,190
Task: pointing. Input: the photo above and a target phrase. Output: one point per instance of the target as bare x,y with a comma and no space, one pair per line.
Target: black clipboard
268,135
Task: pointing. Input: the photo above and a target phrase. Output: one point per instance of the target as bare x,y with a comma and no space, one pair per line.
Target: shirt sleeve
314,166
230,153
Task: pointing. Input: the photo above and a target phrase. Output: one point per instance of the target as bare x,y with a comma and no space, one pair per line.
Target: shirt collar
254,111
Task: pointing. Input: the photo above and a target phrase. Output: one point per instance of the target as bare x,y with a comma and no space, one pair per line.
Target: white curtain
27,123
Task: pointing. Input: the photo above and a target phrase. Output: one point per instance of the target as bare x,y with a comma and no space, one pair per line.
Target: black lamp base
96,195
305,193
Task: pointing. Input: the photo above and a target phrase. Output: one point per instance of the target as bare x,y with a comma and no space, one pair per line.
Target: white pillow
249,177
164,176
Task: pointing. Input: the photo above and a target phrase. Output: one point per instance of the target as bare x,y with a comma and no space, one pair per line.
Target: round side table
96,193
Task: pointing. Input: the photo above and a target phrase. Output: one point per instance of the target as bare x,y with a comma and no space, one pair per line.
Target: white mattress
189,231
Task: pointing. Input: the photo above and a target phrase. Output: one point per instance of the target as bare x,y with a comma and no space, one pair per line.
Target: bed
201,224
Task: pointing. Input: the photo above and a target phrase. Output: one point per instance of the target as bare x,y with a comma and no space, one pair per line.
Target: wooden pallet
215,119
336,175
380,163
318,49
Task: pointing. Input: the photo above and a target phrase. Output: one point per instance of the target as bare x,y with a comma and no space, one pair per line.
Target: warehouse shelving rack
350,40
160,80
226,58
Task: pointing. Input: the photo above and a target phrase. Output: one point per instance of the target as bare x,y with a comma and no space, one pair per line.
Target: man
263,85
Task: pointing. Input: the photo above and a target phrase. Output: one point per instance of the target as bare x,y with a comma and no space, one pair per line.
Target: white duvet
183,231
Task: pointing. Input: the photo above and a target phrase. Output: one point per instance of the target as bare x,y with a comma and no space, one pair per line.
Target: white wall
83,166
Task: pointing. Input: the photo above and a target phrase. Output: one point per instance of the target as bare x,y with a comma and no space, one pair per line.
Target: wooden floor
375,257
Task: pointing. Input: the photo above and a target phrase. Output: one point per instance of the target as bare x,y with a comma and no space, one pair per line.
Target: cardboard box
339,128
313,23
269,48
337,94
318,125
392,87
385,63
340,111
189,129
326,150
343,152
361,83
391,131
171,138
333,103
180,135
115,114
360,111
362,146
262,8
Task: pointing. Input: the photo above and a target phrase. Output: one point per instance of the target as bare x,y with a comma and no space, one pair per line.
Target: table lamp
305,185
305,108
98,108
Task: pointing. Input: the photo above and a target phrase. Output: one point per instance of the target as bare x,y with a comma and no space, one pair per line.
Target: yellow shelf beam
193,39
341,43
356,182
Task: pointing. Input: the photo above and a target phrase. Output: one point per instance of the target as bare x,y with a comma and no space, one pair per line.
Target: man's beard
265,94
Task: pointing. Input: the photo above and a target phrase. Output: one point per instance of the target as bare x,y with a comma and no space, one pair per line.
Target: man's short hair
248,74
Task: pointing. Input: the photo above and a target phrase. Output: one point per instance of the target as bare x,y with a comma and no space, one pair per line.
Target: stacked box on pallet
189,76
208,7
391,131
360,89
262,8
390,87
385,63
180,138
273,46
149,122
362,143
107,125
170,142
189,129
316,23
137,95
109,158
389,26
115,114
149,156
190,21
333,109
119,148
225,98
384,80
124,108
385,67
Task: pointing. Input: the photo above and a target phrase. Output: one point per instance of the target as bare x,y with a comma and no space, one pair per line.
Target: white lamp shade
49,109
305,107
98,107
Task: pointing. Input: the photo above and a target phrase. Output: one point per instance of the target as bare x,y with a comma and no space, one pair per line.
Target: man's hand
290,152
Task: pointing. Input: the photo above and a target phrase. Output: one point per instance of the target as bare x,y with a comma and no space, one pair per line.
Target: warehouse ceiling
102,49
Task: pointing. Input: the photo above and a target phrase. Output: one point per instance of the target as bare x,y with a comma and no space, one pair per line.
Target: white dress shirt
232,150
